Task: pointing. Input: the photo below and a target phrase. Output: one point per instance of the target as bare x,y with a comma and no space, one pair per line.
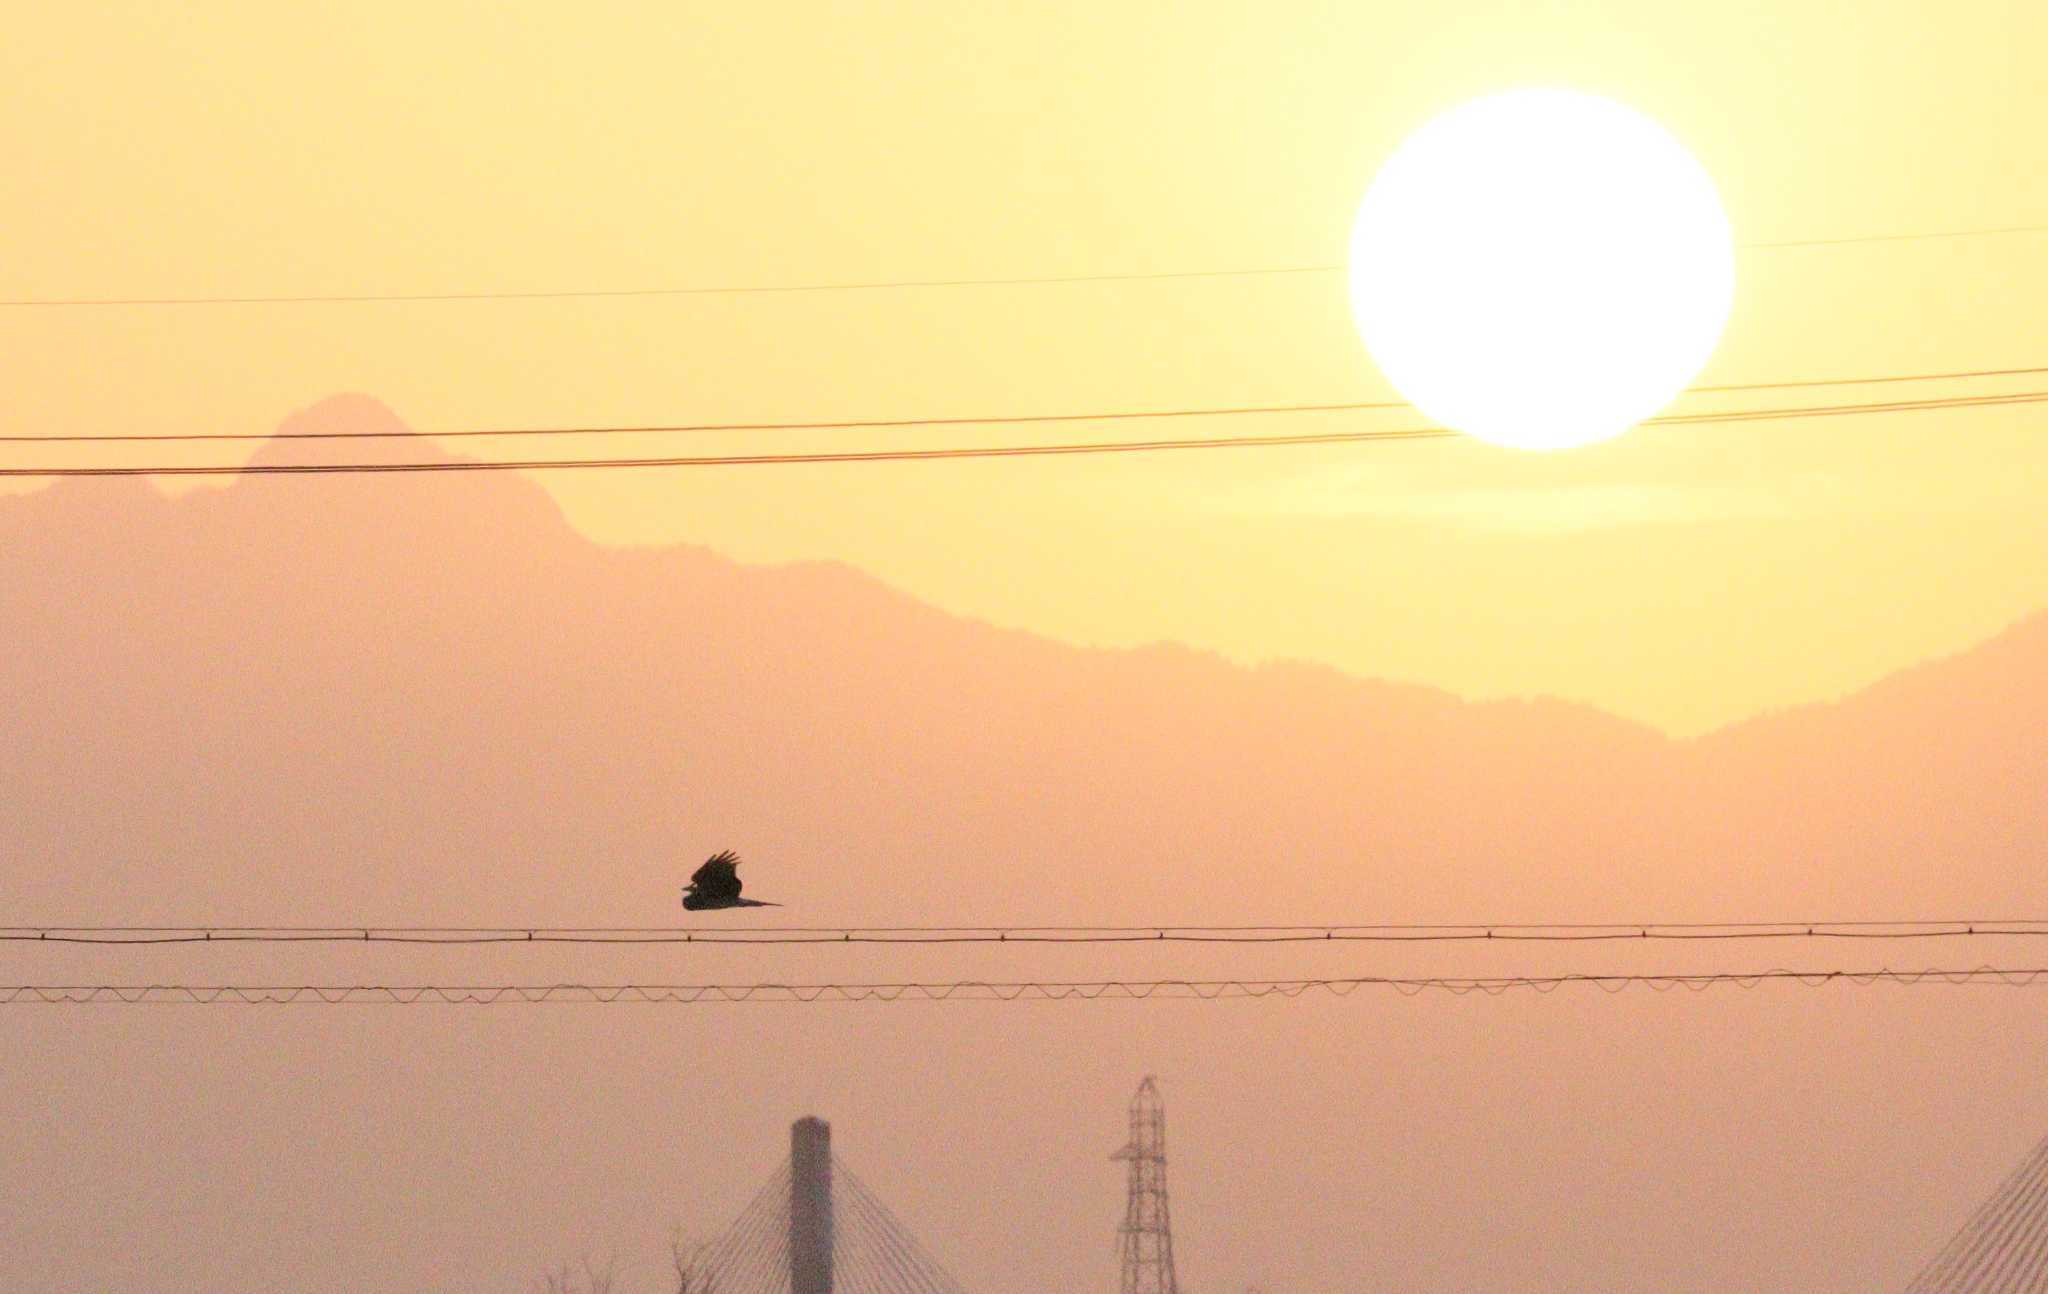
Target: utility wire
1870,381
1999,232
147,936
971,990
86,438
576,294
663,428
989,451
876,285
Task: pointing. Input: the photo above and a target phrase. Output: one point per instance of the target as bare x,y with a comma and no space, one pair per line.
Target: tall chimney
810,1207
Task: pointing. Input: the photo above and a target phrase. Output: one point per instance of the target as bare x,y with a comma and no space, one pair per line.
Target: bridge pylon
814,1227
810,1207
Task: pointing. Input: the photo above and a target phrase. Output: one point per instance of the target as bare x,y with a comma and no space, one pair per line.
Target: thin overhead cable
874,285
986,451
641,429
1982,401
149,936
969,990
1999,232
878,424
580,294
1952,376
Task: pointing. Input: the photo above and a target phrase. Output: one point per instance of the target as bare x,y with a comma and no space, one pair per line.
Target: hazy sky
310,713
1682,577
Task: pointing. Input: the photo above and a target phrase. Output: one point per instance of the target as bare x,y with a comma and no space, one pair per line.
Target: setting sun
1024,646
1541,268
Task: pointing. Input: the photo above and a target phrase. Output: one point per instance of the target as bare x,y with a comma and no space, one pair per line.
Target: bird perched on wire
717,885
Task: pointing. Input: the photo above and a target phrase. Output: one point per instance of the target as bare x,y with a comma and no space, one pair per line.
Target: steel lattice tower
1145,1240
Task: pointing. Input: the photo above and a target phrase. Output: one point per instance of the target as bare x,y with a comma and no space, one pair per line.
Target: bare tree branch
595,1280
688,1259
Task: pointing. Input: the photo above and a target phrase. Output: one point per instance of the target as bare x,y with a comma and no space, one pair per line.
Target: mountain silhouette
426,697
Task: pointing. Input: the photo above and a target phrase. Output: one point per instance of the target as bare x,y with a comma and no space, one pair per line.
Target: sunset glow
908,648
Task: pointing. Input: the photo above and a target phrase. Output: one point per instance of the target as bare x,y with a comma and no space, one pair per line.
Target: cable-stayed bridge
815,1228
2003,1248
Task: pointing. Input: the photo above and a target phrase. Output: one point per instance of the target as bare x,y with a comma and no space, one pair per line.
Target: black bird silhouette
717,885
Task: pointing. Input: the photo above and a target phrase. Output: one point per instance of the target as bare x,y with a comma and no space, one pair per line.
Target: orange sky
393,710
1681,577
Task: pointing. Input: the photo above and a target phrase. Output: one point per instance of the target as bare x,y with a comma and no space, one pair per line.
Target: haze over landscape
314,699
1775,651
498,687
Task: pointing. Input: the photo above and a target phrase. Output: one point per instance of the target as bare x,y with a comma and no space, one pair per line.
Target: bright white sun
1541,268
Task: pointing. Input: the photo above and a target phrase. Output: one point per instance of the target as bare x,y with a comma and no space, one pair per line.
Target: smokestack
810,1207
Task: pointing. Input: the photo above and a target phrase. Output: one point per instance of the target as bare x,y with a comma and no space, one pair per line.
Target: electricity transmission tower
1145,1240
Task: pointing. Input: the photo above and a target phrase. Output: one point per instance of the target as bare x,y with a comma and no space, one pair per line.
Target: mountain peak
311,698
348,428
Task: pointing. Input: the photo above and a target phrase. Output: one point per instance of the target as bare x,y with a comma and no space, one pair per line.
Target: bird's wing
718,876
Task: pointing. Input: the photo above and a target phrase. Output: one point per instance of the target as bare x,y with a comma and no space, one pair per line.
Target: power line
573,294
642,429
1870,381
1999,232
969,990
990,451
1983,401
68,438
139,936
871,285
737,460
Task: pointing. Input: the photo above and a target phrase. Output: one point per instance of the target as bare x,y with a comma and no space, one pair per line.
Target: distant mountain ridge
426,696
